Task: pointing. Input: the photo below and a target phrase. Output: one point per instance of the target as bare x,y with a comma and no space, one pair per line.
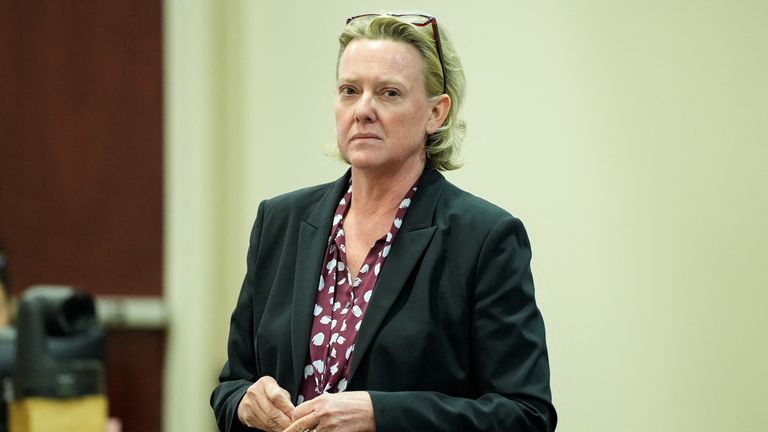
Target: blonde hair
442,148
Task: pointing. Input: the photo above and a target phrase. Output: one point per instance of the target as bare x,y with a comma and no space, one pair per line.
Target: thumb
283,403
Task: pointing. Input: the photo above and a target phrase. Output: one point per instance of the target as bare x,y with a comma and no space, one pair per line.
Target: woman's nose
365,111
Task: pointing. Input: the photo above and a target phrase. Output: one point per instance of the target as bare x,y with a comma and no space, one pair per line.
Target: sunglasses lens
417,20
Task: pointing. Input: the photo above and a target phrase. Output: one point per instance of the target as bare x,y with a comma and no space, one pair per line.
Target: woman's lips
364,136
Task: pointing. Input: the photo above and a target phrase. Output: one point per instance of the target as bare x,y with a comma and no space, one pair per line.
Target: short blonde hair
442,148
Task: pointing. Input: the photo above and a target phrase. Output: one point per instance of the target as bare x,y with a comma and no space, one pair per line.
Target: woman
424,316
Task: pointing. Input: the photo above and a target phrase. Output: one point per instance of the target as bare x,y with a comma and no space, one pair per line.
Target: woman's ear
441,106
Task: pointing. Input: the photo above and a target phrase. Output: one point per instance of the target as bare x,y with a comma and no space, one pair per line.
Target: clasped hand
268,407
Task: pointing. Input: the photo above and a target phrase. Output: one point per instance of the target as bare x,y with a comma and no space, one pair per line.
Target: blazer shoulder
459,204
300,202
298,198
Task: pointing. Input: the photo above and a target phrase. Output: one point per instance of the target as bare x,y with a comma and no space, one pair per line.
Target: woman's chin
364,161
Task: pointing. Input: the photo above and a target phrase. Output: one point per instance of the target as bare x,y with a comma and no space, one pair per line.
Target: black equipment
57,351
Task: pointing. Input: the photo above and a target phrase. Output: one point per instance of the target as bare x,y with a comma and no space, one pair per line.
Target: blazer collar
410,244
322,215
420,214
313,239
412,240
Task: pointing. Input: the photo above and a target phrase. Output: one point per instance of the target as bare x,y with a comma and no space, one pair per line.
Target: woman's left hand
335,412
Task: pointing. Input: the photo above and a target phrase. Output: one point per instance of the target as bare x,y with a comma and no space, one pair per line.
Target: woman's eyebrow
389,82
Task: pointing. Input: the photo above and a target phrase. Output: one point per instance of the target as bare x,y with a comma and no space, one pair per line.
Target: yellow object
35,414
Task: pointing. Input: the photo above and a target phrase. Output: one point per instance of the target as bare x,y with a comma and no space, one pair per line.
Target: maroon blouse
341,304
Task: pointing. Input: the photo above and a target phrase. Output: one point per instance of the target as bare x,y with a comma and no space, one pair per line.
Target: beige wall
631,138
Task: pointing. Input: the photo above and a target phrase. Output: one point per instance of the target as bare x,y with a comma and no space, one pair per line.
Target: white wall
631,137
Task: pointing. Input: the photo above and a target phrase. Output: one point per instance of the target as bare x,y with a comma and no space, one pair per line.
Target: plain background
630,137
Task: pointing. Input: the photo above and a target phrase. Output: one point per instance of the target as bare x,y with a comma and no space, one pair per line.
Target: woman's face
383,115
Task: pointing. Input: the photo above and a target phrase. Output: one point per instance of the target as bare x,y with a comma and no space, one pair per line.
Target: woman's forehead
364,57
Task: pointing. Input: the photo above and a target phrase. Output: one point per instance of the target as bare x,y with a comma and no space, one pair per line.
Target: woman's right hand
266,406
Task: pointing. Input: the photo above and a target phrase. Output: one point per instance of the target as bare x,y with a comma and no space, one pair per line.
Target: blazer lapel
313,239
411,242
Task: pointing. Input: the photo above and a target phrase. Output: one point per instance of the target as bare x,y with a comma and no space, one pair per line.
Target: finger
287,396
280,398
309,421
303,409
247,408
269,414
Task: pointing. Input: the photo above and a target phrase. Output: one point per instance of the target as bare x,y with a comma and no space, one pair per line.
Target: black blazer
452,339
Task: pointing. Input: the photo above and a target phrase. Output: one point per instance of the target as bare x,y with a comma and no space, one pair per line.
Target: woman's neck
377,192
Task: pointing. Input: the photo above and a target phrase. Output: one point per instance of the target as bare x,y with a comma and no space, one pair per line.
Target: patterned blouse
341,304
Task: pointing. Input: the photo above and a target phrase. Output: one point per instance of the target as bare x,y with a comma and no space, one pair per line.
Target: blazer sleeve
240,370
510,370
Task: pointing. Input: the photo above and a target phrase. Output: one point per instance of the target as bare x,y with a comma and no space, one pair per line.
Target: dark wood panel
81,125
134,378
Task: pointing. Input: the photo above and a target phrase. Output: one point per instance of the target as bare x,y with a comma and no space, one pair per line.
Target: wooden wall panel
81,158
133,384
81,167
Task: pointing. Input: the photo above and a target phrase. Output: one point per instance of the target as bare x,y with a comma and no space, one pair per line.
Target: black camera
57,350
